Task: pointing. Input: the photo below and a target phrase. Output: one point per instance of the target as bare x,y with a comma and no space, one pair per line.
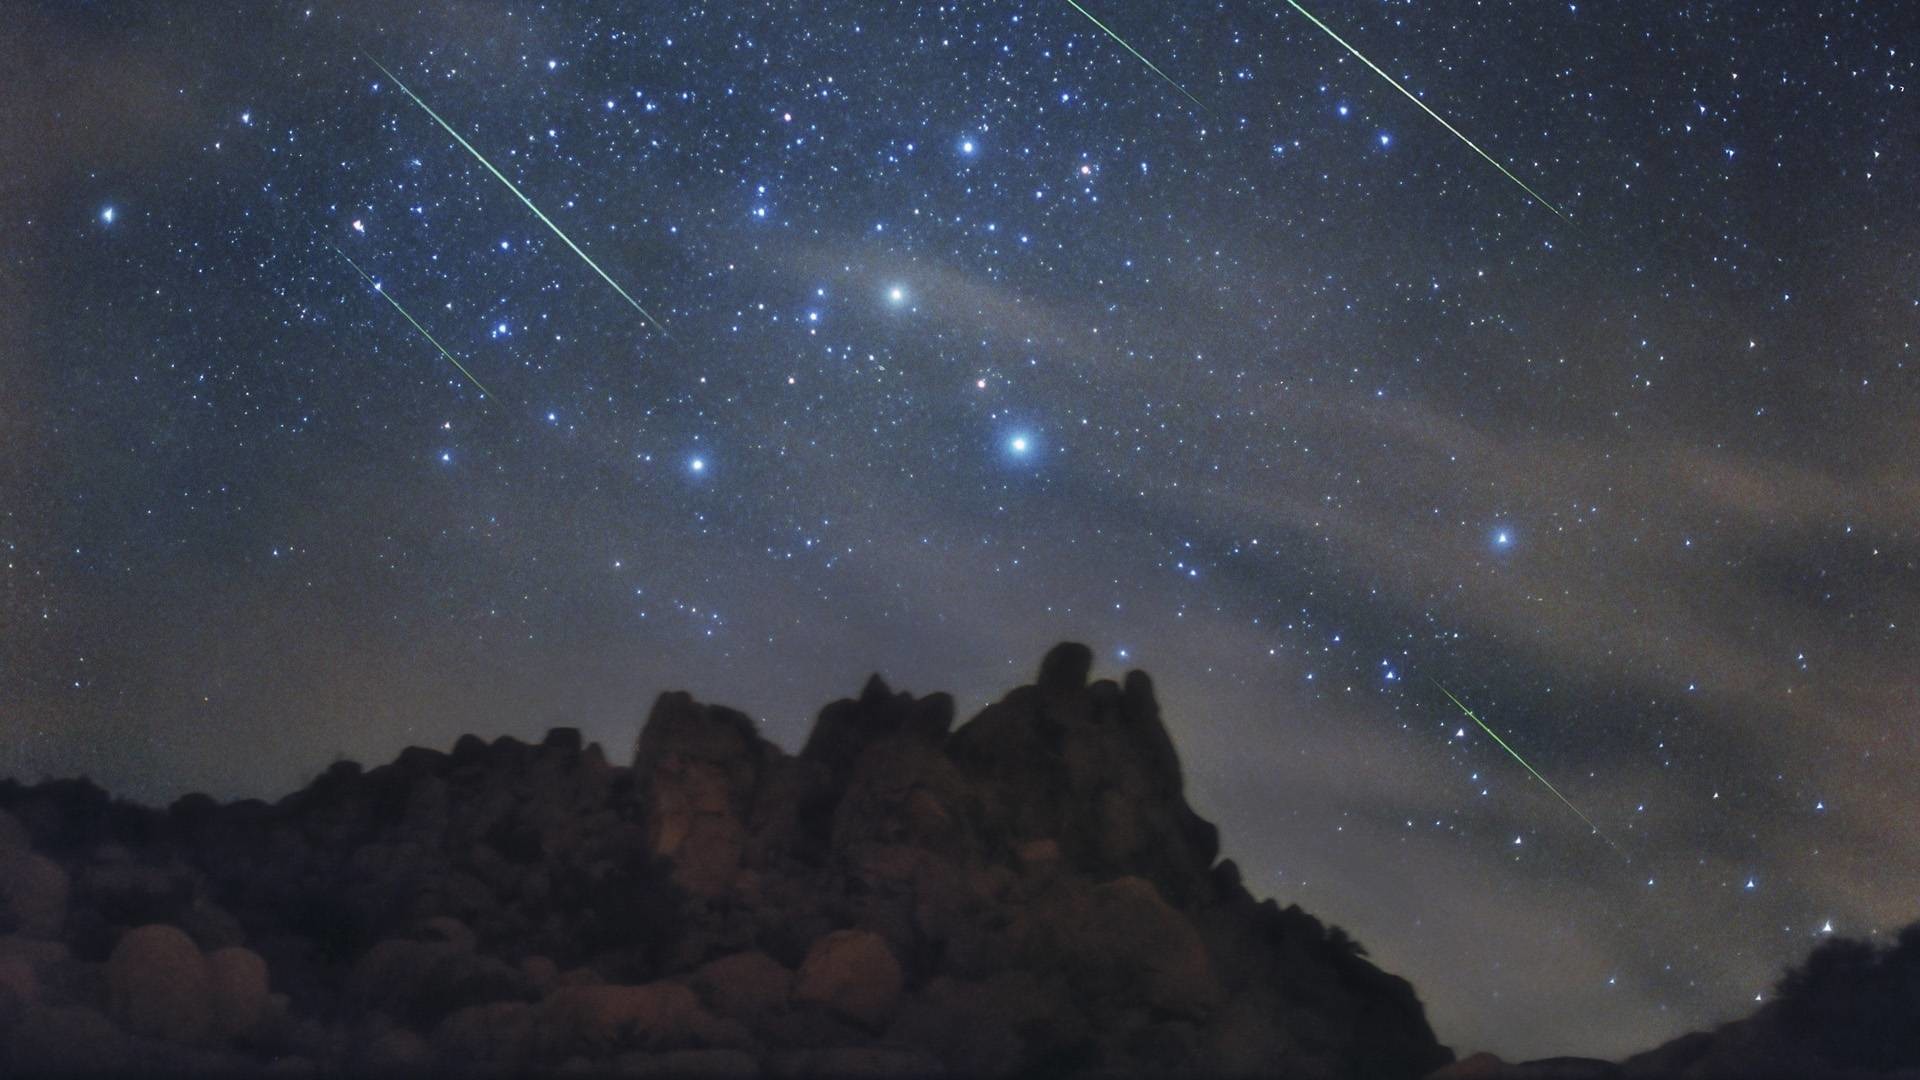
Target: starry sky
980,336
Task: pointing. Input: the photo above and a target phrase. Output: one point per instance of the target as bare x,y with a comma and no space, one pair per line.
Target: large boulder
1131,935
419,982
241,994
854,974
160,986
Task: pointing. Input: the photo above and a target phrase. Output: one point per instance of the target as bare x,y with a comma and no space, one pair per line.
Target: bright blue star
897,295
697,465
106,216
1503,538
1020,445
966,146
1386,139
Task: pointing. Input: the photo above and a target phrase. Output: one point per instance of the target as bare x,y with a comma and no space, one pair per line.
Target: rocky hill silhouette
1029,894
1850,1012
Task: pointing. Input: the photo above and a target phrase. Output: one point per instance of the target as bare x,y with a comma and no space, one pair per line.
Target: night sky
980,336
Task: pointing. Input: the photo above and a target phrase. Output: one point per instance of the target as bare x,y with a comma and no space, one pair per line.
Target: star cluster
979,336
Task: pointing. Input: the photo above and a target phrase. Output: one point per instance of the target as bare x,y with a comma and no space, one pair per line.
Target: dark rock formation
1027,895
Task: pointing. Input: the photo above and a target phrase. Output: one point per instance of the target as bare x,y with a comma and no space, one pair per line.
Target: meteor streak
1423,106
1137,56
416,323
1529,768
564,238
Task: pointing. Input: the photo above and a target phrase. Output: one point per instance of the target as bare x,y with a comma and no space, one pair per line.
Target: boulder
420,982
1123,940
241,995
33,892
854,1062
1065,668
160,986
744,985
15,841
66,1041
398,1051
854,974
486,1037
19,988
693,1064
541,972
597,1021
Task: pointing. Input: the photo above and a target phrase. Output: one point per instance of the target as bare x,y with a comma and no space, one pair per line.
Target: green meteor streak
520,195
1137,56
416,323
1523,764
1423,105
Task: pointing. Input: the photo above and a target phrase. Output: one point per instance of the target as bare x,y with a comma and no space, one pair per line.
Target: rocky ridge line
1029,894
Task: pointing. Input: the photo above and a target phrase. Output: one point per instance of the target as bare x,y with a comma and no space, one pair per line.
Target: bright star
107,215
359,226
966,146
897,294
698,464
1018,444
1503,538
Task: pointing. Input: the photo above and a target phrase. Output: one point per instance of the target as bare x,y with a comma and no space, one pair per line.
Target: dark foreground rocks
1027,895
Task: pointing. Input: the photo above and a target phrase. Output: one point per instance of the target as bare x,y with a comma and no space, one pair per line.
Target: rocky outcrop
1026,894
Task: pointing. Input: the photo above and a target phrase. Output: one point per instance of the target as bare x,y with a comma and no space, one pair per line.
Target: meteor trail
1529,768
521,196
1423,105
416,323
1137,56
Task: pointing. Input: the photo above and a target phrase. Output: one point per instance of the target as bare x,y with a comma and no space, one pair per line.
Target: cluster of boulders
1029,894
